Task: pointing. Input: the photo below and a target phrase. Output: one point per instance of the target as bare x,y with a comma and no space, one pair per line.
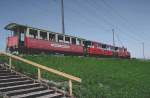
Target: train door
87,44
21,38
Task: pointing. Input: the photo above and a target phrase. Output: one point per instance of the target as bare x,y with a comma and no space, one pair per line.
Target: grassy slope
102,78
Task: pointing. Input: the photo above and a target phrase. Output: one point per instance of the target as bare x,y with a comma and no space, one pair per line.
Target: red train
26,39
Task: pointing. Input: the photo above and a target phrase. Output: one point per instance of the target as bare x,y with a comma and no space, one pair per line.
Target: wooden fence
42,67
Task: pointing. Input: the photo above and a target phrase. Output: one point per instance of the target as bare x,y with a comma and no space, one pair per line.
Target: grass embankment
101,78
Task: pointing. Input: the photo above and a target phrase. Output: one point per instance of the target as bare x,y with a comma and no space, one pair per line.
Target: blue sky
90,19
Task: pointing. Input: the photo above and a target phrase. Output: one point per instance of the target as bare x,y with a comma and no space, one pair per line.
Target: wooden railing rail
42,67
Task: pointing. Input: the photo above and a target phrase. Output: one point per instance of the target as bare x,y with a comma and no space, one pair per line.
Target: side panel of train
101,52
107,53
45,45
99,49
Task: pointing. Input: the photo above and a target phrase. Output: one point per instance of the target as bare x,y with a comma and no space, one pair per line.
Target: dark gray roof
12,26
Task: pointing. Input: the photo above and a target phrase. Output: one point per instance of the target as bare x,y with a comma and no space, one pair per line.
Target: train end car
104,50
26,39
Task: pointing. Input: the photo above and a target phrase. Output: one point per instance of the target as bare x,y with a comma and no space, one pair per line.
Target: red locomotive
26,39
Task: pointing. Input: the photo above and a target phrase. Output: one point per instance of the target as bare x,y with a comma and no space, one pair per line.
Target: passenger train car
26,39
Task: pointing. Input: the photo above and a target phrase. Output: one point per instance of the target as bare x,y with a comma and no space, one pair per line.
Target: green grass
101,78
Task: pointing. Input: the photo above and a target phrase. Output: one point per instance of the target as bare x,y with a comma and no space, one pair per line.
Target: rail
42,67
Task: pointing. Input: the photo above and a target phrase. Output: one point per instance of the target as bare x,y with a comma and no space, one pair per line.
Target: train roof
12,26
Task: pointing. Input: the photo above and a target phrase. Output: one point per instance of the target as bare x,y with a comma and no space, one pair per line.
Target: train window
60,38
52,37
43,35
121,49
103,45
92,43
116,48
73,40
21,36
99,46
33,33
87,43
109,47
95,44
112,48
67,39
14,32
125,49
79,42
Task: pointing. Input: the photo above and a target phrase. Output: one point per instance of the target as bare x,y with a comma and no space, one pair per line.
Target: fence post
70,87
10,62
39,74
